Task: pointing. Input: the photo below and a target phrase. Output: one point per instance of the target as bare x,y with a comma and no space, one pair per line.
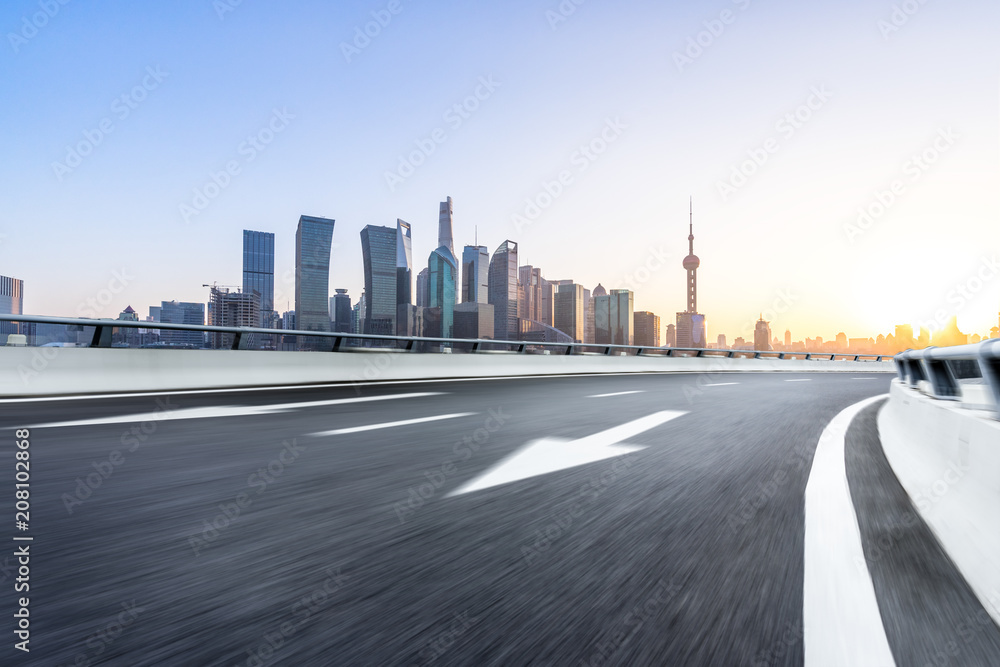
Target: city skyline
786,205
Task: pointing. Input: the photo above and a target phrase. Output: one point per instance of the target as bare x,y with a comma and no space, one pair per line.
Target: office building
313,240
422,280
762,336
690,323
378,248
418,321
11,303
569,311
788,338
174,312
341,312
530,279
475,274
671,340
621,317
442,287
231,307
721,342
473,320
404,264
258,272
646,328
503,291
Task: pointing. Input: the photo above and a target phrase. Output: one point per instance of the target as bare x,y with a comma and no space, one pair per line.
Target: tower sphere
691,262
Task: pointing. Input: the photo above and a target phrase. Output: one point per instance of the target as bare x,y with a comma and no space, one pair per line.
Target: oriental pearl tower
690,323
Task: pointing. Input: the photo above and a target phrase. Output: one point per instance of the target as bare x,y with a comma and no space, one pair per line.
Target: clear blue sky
681,131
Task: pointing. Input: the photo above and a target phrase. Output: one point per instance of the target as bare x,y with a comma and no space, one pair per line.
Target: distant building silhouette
473,320
690,323
647,329
503,291
258,272
421,288
341,311
722,342
671,338
404,264
313,240
182,312
11,303
569,311
762,336
475,274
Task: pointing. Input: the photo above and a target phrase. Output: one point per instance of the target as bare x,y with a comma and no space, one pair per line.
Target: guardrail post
569,349
756,355
336,343
102,336
475,347
409,345
521,348
943,382
989,364
236,341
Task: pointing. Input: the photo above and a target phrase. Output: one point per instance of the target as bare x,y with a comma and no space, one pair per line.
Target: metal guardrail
944,369
102,338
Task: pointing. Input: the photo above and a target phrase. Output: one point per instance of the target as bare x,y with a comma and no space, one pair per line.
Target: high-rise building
422,280
621,317
341,312
549,290
11,303
174,312
841,339
569,311
404,264
762,335
721,342
473,320
788,338
258,271
378,248
503,291
475,274
232,308
647,329
690,323
530,279
313,240
441,283
445,218
671,340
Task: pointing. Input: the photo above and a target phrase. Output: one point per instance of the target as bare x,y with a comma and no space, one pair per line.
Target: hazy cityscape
480,296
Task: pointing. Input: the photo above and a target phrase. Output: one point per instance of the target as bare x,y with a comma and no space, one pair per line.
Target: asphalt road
176,536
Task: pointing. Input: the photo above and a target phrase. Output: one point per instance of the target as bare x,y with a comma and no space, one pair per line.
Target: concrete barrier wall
60,371
947,457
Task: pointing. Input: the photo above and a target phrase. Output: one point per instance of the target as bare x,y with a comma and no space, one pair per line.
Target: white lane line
720,384
864,378
404,422
617,393
168,414
841,620
540,457
800,380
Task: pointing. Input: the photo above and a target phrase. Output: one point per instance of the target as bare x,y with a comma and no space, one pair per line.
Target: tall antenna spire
690,225
477,235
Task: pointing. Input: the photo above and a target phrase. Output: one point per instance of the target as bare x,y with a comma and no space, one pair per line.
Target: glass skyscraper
475,274
378,249
182,313
258,271
313,239
621,317
503,291
441,284
404,264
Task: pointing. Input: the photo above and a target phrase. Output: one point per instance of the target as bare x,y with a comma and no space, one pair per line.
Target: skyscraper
445,217
788,338
569,311
313,239
621,317
503,291
404,264
378,248
671,340
258,272
233,308
11,303
647,329
341,311
762,336
690,323
442,292
530,279
182,312
422,277
475,274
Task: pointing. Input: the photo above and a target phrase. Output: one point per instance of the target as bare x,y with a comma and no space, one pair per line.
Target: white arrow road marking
404,422
227,411
841,620
546,455
617,393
